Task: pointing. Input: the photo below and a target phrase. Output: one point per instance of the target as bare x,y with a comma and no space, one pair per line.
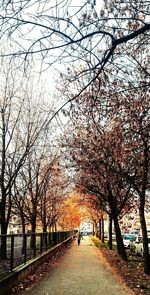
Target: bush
99,244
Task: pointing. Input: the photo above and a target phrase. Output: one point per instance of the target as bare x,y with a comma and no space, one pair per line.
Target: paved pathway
81,271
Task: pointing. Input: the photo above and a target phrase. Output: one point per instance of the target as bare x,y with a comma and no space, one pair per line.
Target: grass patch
99,244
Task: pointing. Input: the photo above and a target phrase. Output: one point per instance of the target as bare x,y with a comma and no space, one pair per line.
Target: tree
55,183
124,115
14,144
93,155
71,214
95,213
37,176
19,133
98,35
135,156
103,43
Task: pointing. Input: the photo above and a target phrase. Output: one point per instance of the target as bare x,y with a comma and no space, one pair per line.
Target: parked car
127,238
139,247
135,232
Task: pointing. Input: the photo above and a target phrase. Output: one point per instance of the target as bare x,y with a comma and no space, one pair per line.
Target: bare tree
97,34
13,151
19,133
54,182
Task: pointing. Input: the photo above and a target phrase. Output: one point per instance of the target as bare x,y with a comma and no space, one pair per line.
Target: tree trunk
44,228
3,252
93,230
33,238
23,223
23,231
44,220
110,232
55,226
120,246
3,248
102,223
45,232
146,255
4,225
100,229
96,229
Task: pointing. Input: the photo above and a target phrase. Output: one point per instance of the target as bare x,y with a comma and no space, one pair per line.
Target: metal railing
20,248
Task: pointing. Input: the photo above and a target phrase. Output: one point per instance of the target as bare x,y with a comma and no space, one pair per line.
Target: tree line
33,183
105,90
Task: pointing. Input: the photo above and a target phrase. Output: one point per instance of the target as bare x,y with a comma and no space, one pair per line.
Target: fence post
63,236
41,243
34,250
66,235
45,240
25,247
50,240
54,238
59,237
12,253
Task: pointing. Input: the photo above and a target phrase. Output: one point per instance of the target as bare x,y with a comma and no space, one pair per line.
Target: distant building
14,226
86,227
132,221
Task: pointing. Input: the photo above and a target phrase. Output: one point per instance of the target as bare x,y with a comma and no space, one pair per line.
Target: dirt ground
131,272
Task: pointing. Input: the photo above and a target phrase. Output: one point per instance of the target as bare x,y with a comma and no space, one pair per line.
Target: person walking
78,237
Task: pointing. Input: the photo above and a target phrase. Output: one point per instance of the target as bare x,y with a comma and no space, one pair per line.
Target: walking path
81,271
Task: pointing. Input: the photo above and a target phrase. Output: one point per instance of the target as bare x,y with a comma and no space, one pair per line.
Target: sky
45,73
